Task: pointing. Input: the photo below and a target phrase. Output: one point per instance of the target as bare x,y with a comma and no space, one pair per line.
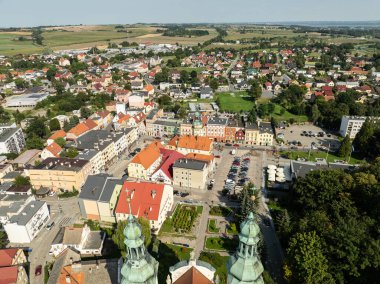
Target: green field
287,115
9,44
222,244
331,157
234,102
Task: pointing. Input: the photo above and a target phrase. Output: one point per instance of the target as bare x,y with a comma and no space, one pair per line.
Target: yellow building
60,173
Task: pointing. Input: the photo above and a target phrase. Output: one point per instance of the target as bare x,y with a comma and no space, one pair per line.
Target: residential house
206,93
51,151
80,239
216,128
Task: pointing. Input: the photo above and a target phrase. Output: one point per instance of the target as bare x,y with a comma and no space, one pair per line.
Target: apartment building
23,227
60,174
351,125
190,173
12,139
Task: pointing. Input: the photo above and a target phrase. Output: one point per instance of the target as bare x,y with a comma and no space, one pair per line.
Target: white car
51,193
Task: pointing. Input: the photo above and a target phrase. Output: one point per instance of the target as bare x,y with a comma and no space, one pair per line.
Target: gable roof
54,148
145,197
6,256
148,155
58,134
195,142
8,274
169,158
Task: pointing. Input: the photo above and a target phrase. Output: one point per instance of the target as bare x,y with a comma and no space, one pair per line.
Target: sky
21,13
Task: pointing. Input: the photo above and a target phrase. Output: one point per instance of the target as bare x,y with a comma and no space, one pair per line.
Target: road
227,73
41,244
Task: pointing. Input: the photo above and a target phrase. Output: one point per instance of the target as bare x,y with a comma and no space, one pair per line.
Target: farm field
76,37
234,102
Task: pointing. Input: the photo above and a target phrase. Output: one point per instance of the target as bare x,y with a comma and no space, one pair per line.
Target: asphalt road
41,244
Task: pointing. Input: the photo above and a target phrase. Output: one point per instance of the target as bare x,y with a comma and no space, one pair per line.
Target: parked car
38,270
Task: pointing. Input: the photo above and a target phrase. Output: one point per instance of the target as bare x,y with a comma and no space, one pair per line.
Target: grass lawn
234,102
212,226
182,253
232,229
287,115
220,211
317,154
10,45
182,220
218,262
218,243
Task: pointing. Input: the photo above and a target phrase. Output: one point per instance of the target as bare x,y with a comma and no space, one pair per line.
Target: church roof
193,276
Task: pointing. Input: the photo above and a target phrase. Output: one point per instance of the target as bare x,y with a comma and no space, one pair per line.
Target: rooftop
62,164
190,164
27,213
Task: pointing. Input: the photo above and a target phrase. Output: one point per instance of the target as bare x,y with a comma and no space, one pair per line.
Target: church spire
139,267
245,266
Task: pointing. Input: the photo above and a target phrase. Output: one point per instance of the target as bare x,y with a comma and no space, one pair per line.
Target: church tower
139,267
244,267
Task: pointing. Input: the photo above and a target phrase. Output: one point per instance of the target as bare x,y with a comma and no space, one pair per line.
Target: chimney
153,193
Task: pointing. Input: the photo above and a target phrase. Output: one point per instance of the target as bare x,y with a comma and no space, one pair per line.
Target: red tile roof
143,201
8,275
54,148
169,157
6,256
193,276
58,134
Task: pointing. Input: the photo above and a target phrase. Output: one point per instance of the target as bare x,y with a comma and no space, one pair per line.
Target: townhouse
216,128
191,144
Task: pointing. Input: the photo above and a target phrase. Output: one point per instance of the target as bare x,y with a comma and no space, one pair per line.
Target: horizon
20,13
269,23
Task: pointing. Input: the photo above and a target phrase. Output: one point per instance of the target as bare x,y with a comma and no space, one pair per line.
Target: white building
23,227
11,140
351,125
25,100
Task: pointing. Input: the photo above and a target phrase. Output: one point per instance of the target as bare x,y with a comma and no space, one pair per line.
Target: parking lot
305,135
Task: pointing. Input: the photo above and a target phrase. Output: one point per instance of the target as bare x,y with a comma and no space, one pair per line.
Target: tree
345,148
306,259
37,127
255,90
60,141
20,180
54,124
70,153
3,239
315,113
4,115
85,112
361,141
214,84
34,142
118,236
